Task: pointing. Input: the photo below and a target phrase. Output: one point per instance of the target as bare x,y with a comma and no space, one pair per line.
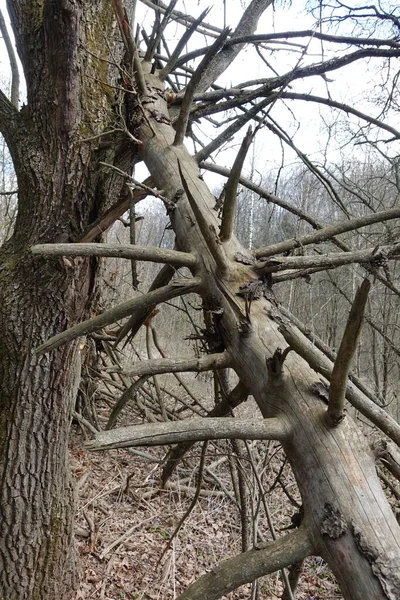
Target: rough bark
61,190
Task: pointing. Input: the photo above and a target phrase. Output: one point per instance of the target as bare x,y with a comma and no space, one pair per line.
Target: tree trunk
56,149
350,522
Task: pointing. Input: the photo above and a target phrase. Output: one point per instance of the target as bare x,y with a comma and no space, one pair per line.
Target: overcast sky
355,84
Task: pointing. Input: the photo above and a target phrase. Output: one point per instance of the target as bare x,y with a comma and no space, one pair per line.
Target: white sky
347,85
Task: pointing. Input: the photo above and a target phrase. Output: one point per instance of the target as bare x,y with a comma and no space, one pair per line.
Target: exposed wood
174,432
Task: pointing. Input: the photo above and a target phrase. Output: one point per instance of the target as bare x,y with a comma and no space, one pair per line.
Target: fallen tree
347,518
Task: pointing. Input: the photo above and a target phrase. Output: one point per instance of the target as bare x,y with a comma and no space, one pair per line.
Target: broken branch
156,366
321,364
327,233
229,208
348,346
328,260
175,432
248,566
151,299
145,253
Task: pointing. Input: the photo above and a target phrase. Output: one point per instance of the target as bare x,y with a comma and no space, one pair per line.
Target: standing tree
96,104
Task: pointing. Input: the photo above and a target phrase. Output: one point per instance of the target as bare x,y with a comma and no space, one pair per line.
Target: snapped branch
327,233
147,301
347,348
321,364
249,566
231,187
328,260
174,432
145,253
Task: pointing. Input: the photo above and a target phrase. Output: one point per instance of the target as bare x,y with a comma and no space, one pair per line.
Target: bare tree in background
98,100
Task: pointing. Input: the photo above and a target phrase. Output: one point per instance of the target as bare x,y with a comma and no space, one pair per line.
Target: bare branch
151,299
345,354
144,253
230,131
155,366
238,395
124,399
158,31
163,74
194,82
321,364
320,344
327,233
248,566
174,432
13,62
229,208
329,260
343,107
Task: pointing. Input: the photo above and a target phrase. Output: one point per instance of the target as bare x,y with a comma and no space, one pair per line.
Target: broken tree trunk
348,518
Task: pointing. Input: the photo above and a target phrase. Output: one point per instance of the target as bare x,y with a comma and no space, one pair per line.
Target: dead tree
347,519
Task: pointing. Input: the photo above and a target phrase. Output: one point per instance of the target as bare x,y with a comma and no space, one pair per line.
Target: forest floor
125,520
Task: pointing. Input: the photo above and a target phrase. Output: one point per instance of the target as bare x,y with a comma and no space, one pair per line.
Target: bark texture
61,190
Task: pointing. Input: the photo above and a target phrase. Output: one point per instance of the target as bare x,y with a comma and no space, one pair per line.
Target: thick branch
251,565
145,253
328,260
321,364
155,366
246,26
194,82
348,346
210,235
327,233
229,208
174,432
147,301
